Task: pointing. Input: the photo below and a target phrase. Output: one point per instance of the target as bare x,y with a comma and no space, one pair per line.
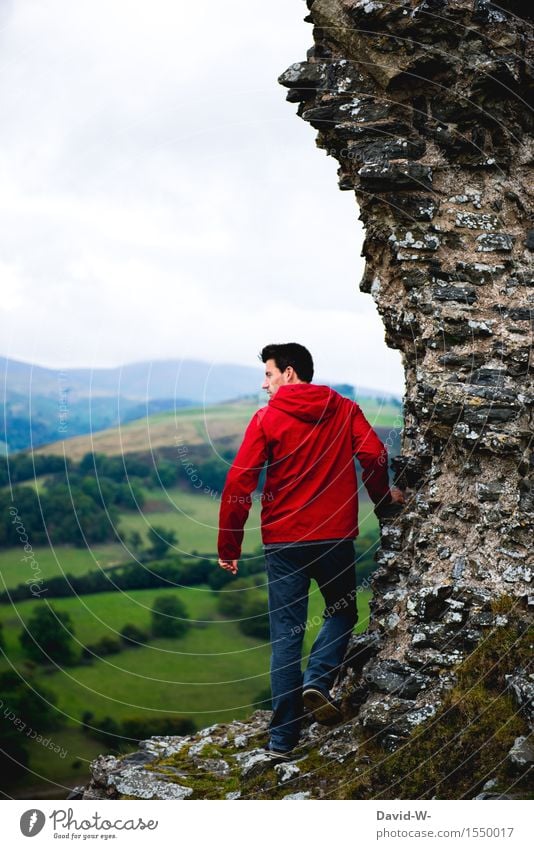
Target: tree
49,636
135,541
169,617
160,540
106,645
24,707
218,577
263,700
255,621
165,474
133,636
232,599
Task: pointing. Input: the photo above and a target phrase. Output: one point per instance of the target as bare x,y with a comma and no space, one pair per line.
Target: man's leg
333,567
289,583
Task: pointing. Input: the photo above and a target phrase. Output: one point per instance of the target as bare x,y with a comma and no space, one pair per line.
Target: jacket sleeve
241,481
373,456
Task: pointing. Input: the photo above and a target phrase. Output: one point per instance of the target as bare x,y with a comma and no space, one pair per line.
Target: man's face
273,378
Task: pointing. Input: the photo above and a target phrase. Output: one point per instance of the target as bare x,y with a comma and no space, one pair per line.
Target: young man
308,435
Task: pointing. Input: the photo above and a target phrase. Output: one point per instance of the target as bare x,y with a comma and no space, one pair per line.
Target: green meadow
214,672
56,561
213,669
193,426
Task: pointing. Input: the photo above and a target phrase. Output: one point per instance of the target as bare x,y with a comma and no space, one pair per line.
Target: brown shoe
321,706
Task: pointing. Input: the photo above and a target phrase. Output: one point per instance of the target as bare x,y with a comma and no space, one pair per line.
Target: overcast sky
159,198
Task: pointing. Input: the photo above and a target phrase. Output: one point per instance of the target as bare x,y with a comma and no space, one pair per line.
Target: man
308,435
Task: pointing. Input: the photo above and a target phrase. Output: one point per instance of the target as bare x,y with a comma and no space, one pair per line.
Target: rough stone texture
522,752
149,773
427,107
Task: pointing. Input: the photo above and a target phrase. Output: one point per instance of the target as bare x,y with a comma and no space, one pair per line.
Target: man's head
285,363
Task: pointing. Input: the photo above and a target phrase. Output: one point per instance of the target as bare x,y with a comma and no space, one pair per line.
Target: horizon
318,379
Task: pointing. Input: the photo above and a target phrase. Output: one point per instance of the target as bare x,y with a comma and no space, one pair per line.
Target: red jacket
308,435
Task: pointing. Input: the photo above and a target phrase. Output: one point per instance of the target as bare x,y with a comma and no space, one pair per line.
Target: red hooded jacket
308,435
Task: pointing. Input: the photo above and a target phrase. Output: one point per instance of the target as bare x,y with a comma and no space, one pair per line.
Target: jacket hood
306,401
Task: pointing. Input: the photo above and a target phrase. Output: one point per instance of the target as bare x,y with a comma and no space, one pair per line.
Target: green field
192,516
194,519
212,674
57,561
192,426
214,653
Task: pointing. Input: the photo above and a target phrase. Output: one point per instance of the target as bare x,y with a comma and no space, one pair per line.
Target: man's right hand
229,565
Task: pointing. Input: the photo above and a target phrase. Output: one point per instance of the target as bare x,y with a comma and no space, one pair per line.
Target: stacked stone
427,106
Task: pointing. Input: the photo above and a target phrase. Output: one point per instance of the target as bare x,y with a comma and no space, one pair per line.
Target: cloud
159,196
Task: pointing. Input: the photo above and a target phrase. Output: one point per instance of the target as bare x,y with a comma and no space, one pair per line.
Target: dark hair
290,354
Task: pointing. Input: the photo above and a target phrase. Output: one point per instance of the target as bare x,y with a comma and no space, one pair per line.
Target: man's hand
229,565
393,507
397,496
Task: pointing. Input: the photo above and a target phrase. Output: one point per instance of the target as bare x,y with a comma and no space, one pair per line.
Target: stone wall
427,108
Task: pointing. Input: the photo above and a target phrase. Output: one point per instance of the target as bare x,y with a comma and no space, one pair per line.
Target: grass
103,614
193,518
54,773
57,561
213,674
213,652
192,425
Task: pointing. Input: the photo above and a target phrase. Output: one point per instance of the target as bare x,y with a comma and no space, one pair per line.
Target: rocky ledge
474,742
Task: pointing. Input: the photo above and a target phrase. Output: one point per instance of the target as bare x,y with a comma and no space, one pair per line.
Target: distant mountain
190,381
40,401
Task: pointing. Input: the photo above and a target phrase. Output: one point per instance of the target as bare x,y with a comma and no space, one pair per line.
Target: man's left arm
236,498
373,457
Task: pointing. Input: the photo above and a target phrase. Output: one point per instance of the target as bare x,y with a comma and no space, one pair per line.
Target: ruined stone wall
428,109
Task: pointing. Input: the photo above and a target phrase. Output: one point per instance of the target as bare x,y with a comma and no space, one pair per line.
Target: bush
169,617
133,636
87,720
161,540
255,621
263,700
219,577
232,599
165,474
121,736
49,636
25,705
106,645
108,731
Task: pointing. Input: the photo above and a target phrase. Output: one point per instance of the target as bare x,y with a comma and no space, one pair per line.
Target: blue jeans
289,571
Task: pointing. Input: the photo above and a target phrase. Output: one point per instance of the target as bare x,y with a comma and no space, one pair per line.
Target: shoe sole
322,708
279,757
